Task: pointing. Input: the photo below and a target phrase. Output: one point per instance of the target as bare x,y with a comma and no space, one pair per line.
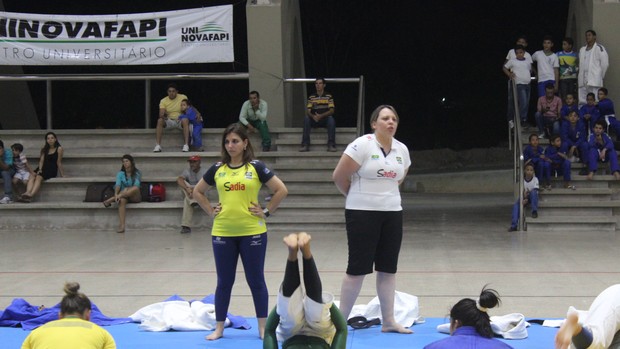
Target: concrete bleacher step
143,140
94,156
593,206
563,224
144,216
568,196
584,210
167,164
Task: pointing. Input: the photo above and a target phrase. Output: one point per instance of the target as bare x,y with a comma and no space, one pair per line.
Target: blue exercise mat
129,336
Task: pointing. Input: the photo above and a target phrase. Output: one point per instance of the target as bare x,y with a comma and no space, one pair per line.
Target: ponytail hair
474,313
74,302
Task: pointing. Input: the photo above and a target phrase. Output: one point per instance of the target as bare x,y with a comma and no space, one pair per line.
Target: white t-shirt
20,163
531,185
512,55
521,69
545,65
374,187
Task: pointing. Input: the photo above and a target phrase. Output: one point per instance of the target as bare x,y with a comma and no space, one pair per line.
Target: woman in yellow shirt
73,330
239,227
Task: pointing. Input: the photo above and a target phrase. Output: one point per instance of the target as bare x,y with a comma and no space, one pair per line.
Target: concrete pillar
601,16
275,51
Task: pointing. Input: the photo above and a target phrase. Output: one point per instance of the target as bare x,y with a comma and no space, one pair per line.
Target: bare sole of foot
566,332
396,329
291,241
214,336
303,239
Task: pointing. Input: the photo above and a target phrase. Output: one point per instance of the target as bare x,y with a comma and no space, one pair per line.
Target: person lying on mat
598,329
73,330
470,325
304,321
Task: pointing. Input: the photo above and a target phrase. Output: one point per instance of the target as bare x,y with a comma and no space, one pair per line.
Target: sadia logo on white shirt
386,174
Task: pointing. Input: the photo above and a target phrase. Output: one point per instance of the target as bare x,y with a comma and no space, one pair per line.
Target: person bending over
470,324
304,321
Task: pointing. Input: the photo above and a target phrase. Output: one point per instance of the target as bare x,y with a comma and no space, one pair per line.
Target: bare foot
397,328
565,334
617,175
590,176
262,323
291,242
215,335
303,238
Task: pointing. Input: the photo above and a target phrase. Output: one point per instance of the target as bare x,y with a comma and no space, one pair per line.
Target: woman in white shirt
368,175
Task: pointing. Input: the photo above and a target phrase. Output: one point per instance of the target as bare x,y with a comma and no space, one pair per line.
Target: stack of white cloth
177,315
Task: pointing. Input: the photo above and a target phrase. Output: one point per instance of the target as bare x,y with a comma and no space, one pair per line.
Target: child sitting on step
529,197
560,164
575,136
195,120
589,112
534,153
602,149
22,169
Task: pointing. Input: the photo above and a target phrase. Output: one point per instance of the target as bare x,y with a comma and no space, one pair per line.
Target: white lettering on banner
201,35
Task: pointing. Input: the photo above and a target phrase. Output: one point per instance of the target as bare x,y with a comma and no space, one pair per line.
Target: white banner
202,35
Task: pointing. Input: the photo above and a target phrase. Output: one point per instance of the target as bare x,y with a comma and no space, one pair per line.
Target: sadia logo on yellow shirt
234,187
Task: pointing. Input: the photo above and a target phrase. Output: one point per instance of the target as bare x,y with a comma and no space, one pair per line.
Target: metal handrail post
518,144
360,107
510,140
48,103
147,103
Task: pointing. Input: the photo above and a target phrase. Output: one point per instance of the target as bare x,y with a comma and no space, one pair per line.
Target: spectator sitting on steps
187,181
169,112
50,165
6,168
319,113
602,149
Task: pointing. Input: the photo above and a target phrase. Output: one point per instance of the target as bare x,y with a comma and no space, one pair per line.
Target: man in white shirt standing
593,64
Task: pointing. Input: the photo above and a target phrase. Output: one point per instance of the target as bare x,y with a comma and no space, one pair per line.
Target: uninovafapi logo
208,33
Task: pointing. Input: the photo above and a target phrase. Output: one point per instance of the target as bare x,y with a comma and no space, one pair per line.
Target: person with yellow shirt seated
169,112
73,329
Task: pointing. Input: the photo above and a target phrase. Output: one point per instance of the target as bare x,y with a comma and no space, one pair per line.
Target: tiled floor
453,245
